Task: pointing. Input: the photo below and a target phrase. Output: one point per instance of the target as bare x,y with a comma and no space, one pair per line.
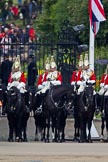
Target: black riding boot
95,102
4,104
100,100
27,101
96,106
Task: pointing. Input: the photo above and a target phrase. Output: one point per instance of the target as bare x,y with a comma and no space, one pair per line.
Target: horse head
88,96
70,99
38,104
60,96
13,98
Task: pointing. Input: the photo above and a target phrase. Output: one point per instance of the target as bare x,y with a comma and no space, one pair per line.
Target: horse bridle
86,98
55,103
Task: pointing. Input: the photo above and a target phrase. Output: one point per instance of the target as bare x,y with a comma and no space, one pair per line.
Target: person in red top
88,74
104,83
54,76
42,80
32,34
76,78
15,11
17,77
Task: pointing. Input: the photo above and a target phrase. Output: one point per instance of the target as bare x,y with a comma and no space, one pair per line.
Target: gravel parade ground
69,151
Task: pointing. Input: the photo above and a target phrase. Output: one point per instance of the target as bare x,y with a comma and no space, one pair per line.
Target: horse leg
18,129
36,129
47,129
43,128
24,130
84,131
106,129
102,128
89,131
81,130
54,129
83,136
11,128
76,129
53,133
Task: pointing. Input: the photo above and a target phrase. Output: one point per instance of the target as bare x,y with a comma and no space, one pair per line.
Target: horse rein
55,103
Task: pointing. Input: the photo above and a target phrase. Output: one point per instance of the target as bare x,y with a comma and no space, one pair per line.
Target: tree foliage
76,11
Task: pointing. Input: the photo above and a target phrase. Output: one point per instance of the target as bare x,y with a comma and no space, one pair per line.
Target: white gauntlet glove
8,86
56,82
13,84
106,87
44,83
40,87
21,85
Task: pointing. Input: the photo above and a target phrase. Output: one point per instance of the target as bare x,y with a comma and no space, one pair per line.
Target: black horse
85,113
17,115
104,118
56,104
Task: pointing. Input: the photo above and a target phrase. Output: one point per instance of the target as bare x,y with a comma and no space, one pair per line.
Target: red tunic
106,79
42,78
73,78
103,78
76,77
93,77
21,79
59,77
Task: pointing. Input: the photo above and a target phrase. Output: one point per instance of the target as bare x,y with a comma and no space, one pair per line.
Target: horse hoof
10,140
54,140
89,141
36,139
76,139
25,140
63,140
47,140
102,138
17,139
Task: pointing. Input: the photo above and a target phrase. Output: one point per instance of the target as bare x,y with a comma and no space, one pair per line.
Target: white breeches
101,91
14,84
46,86
106,93
80,89
44,89
19,85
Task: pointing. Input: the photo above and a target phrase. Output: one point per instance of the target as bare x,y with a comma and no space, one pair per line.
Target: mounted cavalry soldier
54,76
83,76
50,77
76,78
17,78
103,88
104,83
42,80
89,76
